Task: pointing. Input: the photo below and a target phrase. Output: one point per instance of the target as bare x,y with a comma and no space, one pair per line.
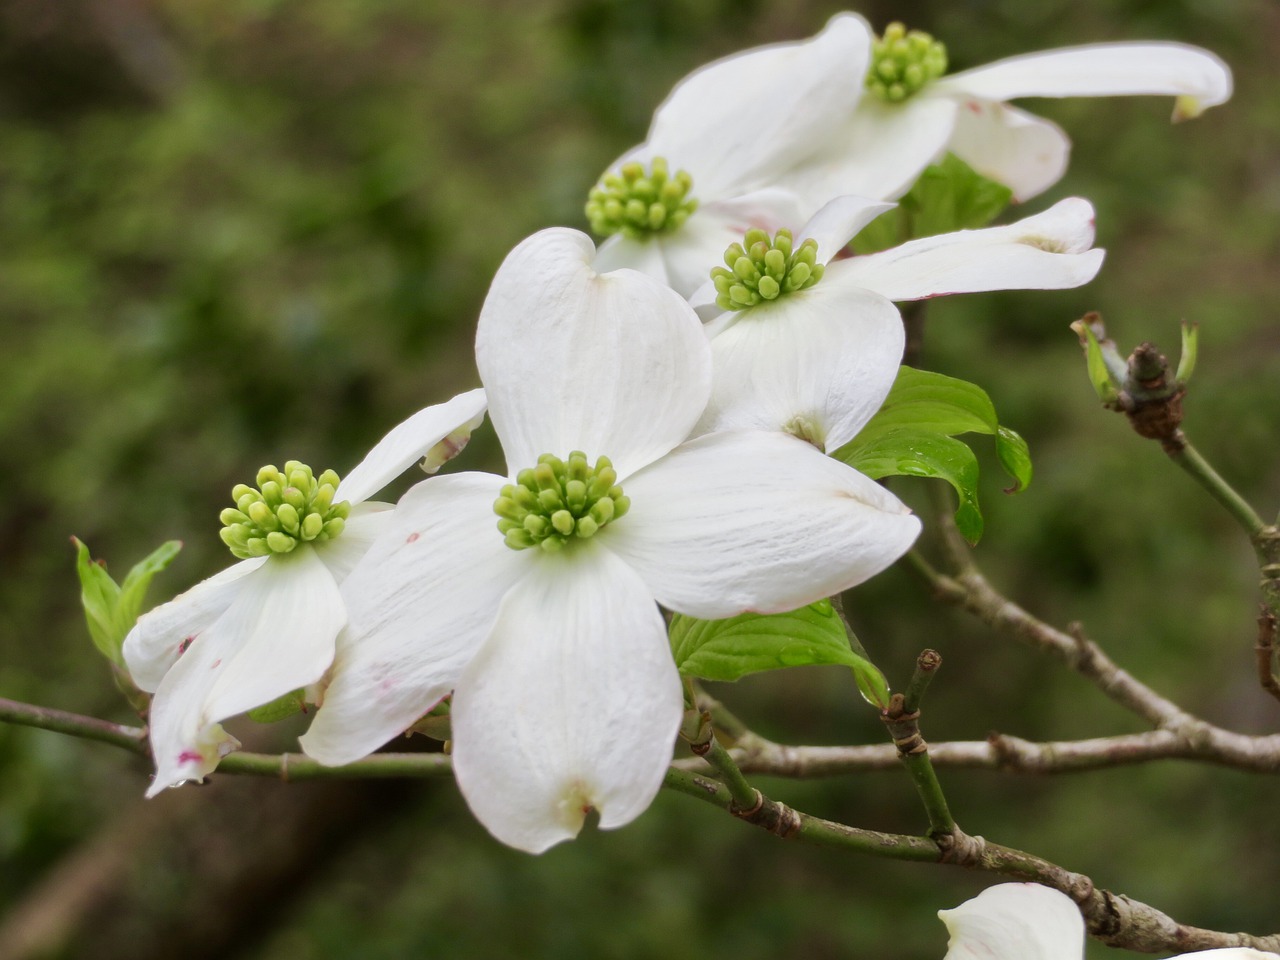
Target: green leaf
913,435
281,708
134,589
100,597
948,196
923,400
111,610
754,642
1015,457
918,453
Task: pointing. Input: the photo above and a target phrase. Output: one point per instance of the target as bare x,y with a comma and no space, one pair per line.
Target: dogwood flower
566,697
818,360
719,151
1025,921
266,626
912,113
766,137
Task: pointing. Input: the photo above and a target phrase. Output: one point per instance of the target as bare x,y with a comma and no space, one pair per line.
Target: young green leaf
754,642
111,610
948,196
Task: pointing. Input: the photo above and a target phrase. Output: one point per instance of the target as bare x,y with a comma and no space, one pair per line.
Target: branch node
747,814
961,849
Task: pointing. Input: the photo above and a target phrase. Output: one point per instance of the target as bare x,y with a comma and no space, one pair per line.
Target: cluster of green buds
903,63
557,500
763,268
639,203
289,507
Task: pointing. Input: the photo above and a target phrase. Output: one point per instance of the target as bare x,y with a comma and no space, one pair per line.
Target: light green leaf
948,196
134,589
281,708
100,597
754,642
934,403
111,610
920,453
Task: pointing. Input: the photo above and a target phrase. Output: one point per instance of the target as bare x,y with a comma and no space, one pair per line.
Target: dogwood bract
912,113
766,137
1025,921
566,697
818,360
719,152
266,626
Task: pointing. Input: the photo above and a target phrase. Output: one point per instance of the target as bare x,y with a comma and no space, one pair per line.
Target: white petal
156,640
838,222
738,123
1231,953
1022,151
613,364
733,522
418,605
878,152
826,356
277,635
410,441
1101,70
1015,921
365,524
690,252
1049,251
573,703
645,256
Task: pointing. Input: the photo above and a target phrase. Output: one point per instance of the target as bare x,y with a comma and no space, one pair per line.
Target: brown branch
1114,919
756,755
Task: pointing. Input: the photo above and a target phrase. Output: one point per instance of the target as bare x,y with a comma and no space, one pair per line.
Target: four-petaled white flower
881,147
1025,921
266,626
739,127
566,696
818,362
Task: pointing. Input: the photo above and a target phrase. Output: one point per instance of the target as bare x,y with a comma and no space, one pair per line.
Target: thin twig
1197,467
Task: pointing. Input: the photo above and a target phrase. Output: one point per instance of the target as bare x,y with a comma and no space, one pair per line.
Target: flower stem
1189,459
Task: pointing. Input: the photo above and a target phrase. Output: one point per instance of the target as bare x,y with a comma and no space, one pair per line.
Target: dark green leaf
918,453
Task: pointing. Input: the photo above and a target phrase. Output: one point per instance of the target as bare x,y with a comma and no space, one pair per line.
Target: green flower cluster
903,63
556,500
639,204
762,269
289,507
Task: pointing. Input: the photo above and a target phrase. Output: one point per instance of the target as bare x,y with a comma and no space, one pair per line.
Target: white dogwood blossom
1025,921
266,626
766,137
817,361
719,152
566,697
912,112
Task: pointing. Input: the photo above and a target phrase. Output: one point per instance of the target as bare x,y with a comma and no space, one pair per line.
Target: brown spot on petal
413,537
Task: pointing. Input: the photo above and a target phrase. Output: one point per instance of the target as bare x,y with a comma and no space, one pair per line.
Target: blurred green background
239,231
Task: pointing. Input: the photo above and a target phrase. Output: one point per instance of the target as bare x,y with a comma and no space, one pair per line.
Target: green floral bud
763,268
288,507
640,203
903,63
558,501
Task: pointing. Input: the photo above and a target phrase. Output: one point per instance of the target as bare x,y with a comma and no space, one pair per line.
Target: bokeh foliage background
237,231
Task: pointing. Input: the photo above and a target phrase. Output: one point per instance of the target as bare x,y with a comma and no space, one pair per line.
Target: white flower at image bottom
266,626
542,618
1025,921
